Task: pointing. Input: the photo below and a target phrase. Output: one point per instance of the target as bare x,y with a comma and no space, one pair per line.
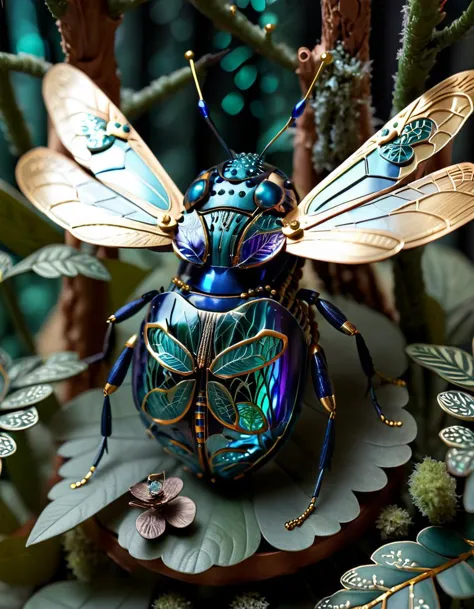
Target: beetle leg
122,314
324,391
339,321
114,381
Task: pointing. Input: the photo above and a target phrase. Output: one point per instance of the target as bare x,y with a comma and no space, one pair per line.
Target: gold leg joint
388,380
109,389
297,522
329,405
349,328
84,480
389,422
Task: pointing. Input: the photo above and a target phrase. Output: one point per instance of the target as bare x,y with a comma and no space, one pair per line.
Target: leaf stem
24,62
17,317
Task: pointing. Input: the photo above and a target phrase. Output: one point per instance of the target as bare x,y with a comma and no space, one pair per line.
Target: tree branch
25,63
454,32
15,125
136,103
220,13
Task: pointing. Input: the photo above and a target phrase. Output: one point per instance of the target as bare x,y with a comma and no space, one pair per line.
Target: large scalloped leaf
60,260
403,573
452,364
281,489
120,593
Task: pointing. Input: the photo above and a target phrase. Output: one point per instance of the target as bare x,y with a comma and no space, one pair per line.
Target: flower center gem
155,488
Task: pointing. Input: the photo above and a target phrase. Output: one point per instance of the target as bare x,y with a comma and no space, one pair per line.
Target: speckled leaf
458,404
451,363
5,359
60,260
26,397
457,436
58,367
121,593
4,382
407,555
20,420
7,445
460,462
23,365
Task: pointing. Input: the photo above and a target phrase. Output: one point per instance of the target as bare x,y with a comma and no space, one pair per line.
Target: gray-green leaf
60,260
20,420
6,263
26,397
451,363
58,367
7,445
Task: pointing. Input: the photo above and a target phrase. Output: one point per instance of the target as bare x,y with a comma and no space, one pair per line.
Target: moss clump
171,600
393,522
249,600
82,556
433,491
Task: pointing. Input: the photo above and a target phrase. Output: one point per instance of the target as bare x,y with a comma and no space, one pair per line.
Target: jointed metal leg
339,321
114,381
122,314
324,391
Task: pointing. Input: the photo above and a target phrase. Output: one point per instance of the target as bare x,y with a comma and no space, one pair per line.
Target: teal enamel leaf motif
169,351
221,404
451,363
169,405
95,130
400,150
403,574
249,355
251,418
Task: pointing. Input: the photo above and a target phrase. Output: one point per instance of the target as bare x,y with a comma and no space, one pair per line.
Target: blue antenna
326,59
202,105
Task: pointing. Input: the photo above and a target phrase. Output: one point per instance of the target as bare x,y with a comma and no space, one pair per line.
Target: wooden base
262,565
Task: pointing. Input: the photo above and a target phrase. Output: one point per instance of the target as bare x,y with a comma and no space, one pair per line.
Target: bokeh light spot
245,77
232,103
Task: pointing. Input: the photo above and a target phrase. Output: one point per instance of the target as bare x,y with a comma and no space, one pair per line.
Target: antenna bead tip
232,9
189,55
326,58
270,27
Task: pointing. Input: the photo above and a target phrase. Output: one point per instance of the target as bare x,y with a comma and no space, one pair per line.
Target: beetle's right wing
88,209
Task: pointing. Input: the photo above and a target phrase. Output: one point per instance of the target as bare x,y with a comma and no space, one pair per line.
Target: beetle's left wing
101,139
416,214
395,155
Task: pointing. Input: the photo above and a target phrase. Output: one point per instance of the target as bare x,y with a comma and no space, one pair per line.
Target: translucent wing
88,209
393,155
100,138
410,216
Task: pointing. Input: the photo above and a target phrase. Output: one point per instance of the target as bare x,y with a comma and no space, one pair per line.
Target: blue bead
155,487
298,109
203,108
268,194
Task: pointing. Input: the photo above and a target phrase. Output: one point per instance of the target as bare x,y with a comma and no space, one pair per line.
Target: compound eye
195,193
268,194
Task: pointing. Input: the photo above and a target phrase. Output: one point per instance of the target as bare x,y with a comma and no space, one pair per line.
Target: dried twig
24,62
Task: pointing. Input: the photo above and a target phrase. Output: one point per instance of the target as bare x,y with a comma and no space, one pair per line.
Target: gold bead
270,27
166,219
251,292
268,287
189,55
260,289
294,224
273,292
244,295
232,9
327,58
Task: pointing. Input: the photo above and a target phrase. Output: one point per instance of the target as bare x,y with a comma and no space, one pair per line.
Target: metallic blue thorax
220,367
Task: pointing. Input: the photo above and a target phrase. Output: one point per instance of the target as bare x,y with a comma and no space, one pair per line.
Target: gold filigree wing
394,155
88,209
100,138
413,215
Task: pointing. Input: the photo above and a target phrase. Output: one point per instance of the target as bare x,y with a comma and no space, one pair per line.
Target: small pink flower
162,505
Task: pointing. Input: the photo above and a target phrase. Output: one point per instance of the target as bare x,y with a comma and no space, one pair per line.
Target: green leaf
19,421
23,230
21,566
221,403
439,554
249,355
169,404
458,404
251,418
7,445
122,593
55,261
171,354
26,397
450,363
58,367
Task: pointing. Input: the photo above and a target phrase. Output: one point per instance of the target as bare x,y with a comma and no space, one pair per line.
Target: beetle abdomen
221,391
